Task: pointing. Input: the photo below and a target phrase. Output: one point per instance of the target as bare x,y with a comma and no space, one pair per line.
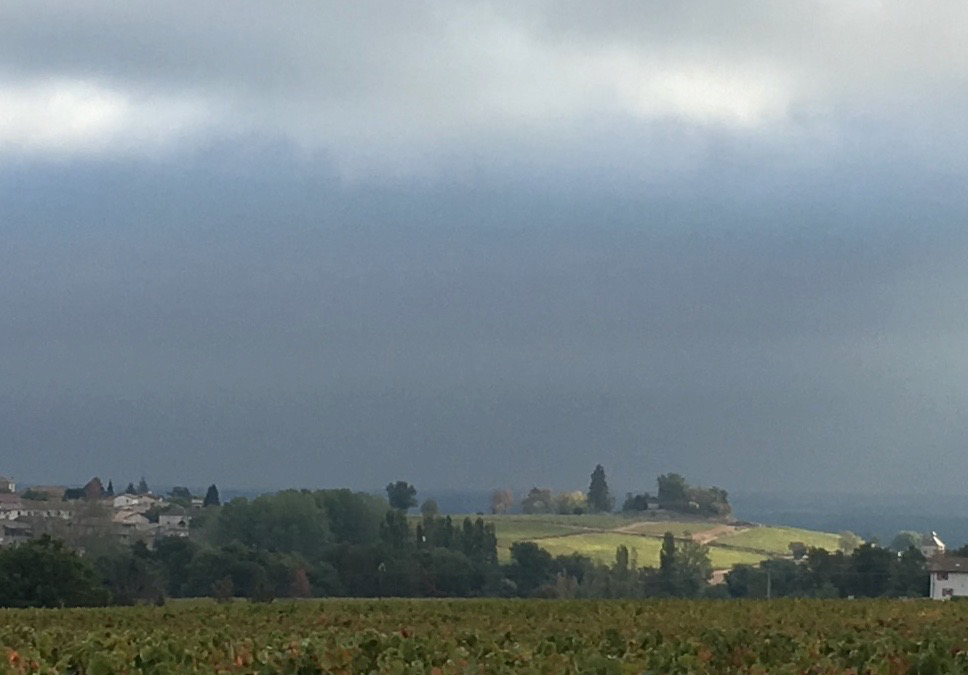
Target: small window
947,592
942,576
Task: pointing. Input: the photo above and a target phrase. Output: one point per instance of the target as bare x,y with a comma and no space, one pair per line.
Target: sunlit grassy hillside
598,536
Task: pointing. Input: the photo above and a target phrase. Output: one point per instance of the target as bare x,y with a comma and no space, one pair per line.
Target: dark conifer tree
599,498
212,497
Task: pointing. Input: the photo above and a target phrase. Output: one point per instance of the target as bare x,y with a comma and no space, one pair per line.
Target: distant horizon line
769,493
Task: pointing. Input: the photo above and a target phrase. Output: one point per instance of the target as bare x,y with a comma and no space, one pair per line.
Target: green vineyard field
442,637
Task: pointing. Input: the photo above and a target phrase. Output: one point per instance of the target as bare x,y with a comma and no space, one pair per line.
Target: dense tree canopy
869,571
570,503
292,521
180,494
905,540
402,495
46,573
502,501
429,508
675,494
538,500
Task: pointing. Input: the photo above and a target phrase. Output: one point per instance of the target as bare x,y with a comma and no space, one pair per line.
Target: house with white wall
949,578
125,501
7,485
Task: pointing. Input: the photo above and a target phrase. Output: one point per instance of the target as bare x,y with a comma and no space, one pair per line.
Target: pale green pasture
602,546
777,539
658,528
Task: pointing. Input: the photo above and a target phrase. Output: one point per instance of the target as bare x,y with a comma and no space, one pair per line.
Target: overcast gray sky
479,244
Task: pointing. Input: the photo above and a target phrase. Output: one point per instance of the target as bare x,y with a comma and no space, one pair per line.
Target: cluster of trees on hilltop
543,500
597,499
675,494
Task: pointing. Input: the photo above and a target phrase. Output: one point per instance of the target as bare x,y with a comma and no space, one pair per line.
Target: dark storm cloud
480,244
287,330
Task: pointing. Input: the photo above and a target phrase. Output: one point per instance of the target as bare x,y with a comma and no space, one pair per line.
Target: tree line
673,493
325,543
300,543
869,571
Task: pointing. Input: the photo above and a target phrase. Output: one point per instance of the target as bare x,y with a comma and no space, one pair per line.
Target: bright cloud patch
69,117
380,84
707,97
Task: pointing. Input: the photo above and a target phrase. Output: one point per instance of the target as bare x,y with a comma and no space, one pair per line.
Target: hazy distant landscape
878,517
454,337
870,516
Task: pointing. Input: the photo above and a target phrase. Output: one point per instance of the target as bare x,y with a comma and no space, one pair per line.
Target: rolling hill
597,536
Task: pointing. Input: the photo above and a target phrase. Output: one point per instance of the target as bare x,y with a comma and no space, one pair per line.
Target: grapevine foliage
492,636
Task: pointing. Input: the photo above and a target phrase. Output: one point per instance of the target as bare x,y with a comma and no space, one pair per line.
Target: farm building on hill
931,545
7,484
949,578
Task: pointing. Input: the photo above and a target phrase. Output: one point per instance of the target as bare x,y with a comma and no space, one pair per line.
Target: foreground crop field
495,636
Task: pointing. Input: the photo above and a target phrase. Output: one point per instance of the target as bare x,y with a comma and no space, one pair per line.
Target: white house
7,484
949,578
931,545
126,501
